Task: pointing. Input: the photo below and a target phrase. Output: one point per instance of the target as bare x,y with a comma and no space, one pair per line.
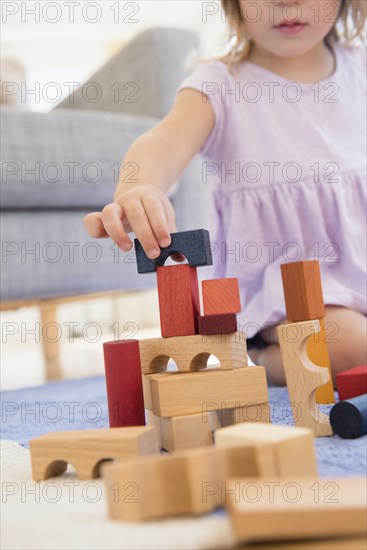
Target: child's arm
159,156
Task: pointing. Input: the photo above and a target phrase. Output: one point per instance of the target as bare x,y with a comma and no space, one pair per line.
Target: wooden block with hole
86,450
213,389
187,482
179,303
304,508
221,296
352,382
192,352
294,448
303,376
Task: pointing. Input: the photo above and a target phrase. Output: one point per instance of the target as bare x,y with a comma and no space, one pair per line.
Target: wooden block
192,352
349,418
155,421
124,383
303,377
251,413
197,392
186,432
86,450
308,507
332,543
179,302
194,245
146,391
318,353
187,482
294,447
352,383
303,291
217,324
146,387
221,296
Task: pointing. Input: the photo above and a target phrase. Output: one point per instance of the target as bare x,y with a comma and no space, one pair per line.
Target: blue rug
82,404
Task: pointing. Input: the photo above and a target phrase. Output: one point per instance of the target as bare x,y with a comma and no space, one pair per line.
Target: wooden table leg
50,343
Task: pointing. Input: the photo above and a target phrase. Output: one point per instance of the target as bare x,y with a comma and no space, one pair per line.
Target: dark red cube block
124,383
352,382
217,324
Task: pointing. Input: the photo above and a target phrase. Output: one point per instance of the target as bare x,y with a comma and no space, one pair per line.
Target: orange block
221,296
303,291
318,353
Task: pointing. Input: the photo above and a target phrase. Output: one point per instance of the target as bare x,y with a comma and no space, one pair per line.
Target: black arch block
194,245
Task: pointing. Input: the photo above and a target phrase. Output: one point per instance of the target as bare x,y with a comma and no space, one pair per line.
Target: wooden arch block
303,377
86,450
191,353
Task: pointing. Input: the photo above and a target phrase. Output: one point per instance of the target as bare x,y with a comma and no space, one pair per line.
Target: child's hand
143,209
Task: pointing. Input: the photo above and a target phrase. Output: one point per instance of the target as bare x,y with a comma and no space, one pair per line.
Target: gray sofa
60,165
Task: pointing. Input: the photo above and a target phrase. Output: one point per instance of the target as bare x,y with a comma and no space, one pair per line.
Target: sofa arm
64,159
142,77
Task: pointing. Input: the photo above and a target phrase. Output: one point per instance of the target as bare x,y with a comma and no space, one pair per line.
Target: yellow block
318,353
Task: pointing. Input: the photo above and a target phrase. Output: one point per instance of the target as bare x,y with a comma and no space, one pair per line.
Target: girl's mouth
290,27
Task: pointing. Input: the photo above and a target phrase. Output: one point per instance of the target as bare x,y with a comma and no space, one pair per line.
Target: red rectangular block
352,383
179,303
221,296
217,324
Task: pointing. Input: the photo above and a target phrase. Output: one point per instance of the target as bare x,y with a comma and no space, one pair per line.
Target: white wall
57,41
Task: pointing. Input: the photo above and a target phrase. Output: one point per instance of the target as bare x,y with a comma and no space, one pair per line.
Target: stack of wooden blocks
184,408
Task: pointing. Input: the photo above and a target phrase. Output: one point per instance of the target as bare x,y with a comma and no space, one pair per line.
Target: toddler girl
280,124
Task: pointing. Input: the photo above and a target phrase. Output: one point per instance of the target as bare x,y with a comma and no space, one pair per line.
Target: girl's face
289,28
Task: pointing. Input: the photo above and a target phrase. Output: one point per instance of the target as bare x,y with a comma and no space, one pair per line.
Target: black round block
349,418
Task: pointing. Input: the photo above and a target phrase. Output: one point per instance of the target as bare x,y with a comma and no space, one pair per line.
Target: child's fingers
140,224
170,215
94,226
111,217
156,215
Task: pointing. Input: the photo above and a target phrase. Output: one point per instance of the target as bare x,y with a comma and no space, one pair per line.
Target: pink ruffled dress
288,163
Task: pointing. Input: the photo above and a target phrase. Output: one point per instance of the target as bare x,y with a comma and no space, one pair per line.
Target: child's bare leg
270,358
346,337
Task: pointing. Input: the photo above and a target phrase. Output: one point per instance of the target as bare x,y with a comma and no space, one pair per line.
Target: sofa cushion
46,255
64,159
